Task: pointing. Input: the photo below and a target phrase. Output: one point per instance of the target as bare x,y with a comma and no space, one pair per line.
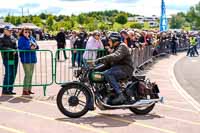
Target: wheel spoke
77,92
81,103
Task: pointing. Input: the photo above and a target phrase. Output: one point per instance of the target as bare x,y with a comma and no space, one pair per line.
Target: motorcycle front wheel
142,111
72,101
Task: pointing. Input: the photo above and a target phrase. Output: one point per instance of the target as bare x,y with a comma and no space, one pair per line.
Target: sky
68,7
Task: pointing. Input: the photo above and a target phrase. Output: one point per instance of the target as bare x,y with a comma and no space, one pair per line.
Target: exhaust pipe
148,102
140,103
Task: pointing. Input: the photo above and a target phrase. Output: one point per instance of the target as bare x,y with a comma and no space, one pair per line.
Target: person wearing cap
10,60
61,43
121,66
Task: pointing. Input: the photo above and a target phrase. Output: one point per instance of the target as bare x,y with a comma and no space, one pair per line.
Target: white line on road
178,87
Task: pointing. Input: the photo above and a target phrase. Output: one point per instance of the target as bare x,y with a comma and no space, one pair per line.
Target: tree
37,21
7,18
12,20
103,26
18,20
81,19
121,19
177,22
43,16
136,25
50,22
194,16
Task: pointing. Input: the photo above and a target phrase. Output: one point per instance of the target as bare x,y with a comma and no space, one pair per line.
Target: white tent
28,25
3,24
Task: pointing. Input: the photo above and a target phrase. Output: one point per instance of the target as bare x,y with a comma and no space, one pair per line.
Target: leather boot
26,93
120,99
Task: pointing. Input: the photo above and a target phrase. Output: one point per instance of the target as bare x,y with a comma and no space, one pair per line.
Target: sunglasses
26,32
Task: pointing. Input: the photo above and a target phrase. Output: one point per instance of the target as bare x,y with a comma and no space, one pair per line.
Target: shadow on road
12,99
109,120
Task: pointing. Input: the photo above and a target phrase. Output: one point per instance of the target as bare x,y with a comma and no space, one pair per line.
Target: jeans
113,75
10,74
28,70
58,54
173,47
193,48
77,56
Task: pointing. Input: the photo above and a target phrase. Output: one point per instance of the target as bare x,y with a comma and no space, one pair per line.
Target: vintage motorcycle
76,98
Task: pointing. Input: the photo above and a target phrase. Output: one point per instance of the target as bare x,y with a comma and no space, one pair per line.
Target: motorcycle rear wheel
141,111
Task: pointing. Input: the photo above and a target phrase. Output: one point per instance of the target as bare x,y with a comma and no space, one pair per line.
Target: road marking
194,61
113,118
50,119
177,102
163,105
136,123
12,130
181,120
181,91
177,108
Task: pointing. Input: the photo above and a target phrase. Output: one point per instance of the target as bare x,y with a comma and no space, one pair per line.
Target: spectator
193,43
93,43
28,59
174,44
149,39
125,38
104,39
10,60
133,40
77,54
61,43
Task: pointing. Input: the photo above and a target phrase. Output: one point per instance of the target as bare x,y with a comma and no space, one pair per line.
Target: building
153,20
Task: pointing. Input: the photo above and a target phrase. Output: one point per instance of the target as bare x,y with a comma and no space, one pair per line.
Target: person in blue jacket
28,58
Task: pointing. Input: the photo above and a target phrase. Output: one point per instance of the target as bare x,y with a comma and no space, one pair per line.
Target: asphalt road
187,71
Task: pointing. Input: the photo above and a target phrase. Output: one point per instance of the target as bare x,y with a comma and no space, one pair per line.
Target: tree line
98,20
189,20
104,20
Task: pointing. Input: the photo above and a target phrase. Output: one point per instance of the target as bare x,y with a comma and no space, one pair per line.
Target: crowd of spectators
161,42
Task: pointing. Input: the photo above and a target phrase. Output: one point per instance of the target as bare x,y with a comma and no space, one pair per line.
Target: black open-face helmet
114,37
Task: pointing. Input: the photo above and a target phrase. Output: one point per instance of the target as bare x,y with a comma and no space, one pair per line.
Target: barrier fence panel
32,68
76,58
59,68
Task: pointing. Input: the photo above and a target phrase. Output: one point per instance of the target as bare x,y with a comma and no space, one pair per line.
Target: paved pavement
187,72
39,114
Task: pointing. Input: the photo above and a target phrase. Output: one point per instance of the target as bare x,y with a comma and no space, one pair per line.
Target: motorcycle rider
121,64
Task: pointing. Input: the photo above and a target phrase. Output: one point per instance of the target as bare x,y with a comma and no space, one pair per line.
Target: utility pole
22,11
163,17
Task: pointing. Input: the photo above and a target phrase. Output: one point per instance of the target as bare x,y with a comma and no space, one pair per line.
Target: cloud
29,5
126,1
53,10
68,7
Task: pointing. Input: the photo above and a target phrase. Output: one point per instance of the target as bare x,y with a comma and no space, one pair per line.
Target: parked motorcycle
76,98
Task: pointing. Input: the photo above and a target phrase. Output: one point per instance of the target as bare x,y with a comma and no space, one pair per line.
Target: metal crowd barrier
72,59
64,68
42,71
60,68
